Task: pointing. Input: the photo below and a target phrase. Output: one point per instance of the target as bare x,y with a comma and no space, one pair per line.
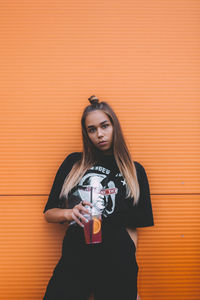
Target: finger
77,220
78,208
87,203
77,213
80,216
81,209
85,210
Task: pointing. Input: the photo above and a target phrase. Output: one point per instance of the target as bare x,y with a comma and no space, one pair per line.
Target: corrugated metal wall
143,58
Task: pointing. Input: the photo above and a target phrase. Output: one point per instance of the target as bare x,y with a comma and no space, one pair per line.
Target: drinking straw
91,223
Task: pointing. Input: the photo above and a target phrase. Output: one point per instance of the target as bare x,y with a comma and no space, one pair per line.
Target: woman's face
100,130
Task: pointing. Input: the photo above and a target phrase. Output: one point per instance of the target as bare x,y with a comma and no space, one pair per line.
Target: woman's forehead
96,117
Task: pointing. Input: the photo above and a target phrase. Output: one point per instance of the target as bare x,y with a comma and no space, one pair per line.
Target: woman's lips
102,143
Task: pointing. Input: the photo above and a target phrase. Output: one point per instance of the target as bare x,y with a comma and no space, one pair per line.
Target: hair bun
93,99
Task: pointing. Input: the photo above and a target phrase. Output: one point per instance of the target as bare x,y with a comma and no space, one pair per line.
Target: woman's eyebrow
90,126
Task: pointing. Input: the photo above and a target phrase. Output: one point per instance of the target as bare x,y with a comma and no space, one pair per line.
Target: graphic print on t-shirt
98,187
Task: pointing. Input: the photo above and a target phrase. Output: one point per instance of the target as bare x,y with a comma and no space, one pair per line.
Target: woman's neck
106,153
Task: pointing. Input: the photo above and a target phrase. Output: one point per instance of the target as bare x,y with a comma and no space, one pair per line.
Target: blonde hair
90,154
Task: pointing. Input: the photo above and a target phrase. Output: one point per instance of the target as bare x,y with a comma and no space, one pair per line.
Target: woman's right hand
78,211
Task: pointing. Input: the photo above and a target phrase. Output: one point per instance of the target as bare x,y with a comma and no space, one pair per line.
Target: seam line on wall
41,195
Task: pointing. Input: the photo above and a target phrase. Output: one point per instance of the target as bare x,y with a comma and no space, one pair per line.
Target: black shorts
108,270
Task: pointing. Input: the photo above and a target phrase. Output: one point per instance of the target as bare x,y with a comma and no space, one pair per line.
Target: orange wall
143,58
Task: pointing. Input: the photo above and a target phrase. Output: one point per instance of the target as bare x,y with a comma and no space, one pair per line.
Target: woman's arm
61,215
58,215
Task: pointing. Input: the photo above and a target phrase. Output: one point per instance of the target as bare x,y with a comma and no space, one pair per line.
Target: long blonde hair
90,154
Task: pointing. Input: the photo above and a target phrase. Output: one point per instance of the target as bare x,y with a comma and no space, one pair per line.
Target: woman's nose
99,132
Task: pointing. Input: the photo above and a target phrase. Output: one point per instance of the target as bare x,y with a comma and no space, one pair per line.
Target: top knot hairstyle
93,100
91,153
95,104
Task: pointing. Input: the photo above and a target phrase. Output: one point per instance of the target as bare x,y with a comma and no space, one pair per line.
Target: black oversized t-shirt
105,187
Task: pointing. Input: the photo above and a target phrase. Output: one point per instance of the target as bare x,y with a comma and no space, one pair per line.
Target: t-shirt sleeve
53,200
139,215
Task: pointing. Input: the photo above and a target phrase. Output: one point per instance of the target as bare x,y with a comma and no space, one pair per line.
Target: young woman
108,269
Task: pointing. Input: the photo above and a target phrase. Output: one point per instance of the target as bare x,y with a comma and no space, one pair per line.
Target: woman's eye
105,125
91,130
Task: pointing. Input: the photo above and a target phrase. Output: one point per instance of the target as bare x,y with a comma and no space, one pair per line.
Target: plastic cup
92,229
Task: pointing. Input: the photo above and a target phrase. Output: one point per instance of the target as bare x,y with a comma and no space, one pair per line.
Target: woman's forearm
58,215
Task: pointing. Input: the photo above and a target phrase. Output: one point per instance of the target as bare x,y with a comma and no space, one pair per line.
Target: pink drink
92,230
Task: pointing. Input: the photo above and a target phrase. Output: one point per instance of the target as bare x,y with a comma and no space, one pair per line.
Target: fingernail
86,221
